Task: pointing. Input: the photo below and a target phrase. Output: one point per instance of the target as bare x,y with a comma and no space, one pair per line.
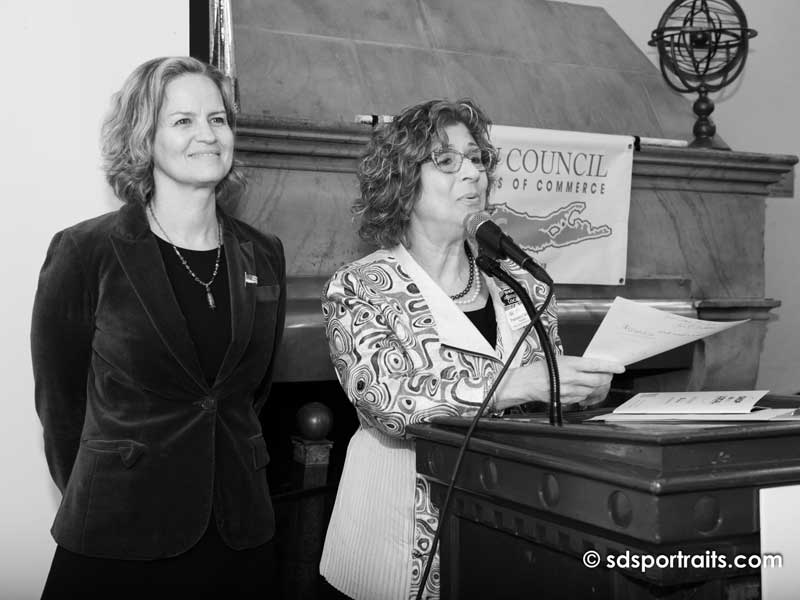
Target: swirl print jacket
404,353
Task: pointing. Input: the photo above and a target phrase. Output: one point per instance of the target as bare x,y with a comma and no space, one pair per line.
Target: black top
485,321
210,330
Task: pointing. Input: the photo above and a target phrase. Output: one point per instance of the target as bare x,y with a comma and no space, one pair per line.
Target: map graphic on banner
564,197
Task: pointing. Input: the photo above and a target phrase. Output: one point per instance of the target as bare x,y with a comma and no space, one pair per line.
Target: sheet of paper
632,331
692,402
762,414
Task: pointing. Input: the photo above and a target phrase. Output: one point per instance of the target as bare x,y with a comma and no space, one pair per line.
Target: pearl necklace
474,276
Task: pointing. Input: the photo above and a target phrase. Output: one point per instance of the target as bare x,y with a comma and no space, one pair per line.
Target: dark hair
129,128
389,170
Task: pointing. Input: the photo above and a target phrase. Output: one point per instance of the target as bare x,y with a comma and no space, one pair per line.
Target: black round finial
314,421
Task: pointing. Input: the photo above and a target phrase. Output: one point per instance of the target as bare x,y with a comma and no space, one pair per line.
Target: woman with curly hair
415,331
153,339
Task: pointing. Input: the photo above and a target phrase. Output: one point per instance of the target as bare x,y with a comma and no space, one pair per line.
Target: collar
453,326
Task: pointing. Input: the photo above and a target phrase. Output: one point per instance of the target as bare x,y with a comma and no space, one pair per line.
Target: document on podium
697,406
632,331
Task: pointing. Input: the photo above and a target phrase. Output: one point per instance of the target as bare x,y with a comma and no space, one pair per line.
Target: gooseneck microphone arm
491,267
462,450
497,245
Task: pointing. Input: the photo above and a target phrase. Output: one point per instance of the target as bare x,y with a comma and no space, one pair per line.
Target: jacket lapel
138,253
240,260
453,326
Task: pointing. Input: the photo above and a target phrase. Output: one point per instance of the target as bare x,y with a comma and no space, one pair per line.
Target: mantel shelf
336,147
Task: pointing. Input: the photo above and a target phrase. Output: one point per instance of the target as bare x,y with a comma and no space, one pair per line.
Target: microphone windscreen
475,220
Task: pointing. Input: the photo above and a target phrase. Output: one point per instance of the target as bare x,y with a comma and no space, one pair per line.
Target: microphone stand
489,266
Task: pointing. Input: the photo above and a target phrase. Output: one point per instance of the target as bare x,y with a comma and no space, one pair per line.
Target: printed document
632,331
697,406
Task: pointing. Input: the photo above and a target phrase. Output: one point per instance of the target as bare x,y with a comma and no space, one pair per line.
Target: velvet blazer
139,444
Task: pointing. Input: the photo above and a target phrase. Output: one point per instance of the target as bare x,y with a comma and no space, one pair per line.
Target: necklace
209,296
471,298
461,297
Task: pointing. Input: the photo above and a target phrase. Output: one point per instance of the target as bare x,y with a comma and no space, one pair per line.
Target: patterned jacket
405,353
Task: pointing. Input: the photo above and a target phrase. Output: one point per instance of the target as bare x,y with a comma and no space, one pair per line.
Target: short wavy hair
129,129
390,168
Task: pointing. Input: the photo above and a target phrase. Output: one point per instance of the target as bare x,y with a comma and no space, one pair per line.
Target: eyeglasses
448,160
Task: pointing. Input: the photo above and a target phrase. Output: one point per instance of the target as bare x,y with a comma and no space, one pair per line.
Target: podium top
658,457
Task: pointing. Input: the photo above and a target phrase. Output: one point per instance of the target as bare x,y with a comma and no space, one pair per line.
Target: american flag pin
250,279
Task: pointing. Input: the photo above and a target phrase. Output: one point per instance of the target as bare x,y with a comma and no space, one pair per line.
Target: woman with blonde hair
154,334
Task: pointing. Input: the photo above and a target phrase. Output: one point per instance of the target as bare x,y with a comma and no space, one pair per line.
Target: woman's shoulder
383,258
90,231
373,268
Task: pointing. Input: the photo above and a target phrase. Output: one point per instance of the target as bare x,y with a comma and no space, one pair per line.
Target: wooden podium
532,500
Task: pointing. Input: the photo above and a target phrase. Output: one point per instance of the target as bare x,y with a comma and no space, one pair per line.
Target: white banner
564,196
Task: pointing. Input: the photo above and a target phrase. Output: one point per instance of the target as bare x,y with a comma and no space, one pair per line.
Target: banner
564,196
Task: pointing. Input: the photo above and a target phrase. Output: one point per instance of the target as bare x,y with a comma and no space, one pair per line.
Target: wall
758,113
63,59
526,62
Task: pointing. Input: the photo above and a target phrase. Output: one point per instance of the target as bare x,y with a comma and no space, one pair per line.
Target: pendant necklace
209,296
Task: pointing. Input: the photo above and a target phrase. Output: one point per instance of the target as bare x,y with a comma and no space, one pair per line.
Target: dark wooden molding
735,309
618,472
304,355
576,304
199,29
784,188
301,145
699,170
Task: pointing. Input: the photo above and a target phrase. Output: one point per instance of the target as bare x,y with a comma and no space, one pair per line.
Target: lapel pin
250,279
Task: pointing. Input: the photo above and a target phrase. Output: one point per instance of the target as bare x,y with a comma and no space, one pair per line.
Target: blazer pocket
268,292
260,454
129,450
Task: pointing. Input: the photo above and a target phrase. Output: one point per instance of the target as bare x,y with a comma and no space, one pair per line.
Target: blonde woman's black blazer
139,444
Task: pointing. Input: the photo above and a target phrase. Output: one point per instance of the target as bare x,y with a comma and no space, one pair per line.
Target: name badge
515,312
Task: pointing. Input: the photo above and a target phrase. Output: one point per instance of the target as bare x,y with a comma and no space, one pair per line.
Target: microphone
489,235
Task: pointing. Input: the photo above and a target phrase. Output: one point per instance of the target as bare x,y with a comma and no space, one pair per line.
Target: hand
585,380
